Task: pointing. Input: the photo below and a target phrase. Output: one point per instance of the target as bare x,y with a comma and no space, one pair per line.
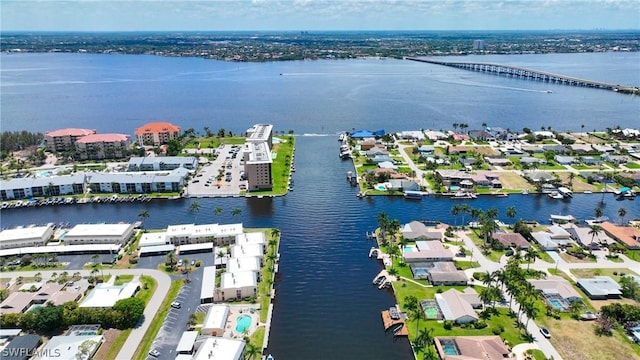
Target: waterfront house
456,306
600,288
425,251
403,185
511,151
426,150
458,136
412,135
538,176
553,238
452,177
626,235
457,150
156,133
368,144
507,240
581,236
489,347
443,273
435,135
544,134
416,230
481,135
388,165
556,148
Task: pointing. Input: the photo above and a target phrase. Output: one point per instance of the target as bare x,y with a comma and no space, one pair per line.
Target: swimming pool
431,312
420,272
556,304
410,248
381,187
243,323
449,347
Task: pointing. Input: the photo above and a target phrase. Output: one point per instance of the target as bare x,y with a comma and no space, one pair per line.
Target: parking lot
177,320
228,167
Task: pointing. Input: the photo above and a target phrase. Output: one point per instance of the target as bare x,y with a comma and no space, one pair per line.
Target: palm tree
144,214
511,212
275,233
94,259
217,210
530,256
236,212
195,209
76,276
594,230
571,177
171,260
37,277
383,224
622,212
455,210
394,227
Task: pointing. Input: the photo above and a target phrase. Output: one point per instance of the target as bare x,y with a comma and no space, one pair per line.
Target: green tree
171,260
217,210
629,287
511,212
236,212
143,215
194,208
129,311
622,212
47,318
594,230
383,224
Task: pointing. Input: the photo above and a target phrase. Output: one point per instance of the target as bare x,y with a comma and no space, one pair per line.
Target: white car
176,305
154,353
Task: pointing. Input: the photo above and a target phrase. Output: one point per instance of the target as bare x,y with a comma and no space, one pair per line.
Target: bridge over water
531,74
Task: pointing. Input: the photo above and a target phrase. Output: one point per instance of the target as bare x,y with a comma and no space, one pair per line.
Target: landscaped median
158,320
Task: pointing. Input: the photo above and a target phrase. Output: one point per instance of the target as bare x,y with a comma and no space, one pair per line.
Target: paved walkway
135,337
520,349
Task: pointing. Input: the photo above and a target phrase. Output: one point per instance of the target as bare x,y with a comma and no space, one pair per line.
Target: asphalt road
204,183
177,320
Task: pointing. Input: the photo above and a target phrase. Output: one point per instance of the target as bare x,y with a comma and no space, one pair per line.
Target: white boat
269,357
556,195
413,195
565,192
598,220
342,137
567,218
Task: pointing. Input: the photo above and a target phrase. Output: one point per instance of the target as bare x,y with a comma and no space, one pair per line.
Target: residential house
581,148
507,240
556,287
626,235
565,160
70,347
590,160
426,150
489,347
416,230
412,135
23,188
106,295
603,148
387,165
457,150
428,251
452,177
552,239
498,161
24,237
445,273
511,151
368,144
529,161
616,159
545,134
532,149
456,307
556,148
403,185
481,135
435,135
21,347
600,287
538,176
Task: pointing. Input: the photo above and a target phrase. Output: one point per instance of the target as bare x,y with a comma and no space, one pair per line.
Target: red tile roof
627,235
95,138
70,132
157,127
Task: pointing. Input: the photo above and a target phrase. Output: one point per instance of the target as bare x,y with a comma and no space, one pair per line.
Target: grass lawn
577,340
147,289
267,273
121,279
156,323
589,273
633,254
58,266
464,265
493,255
116,345
632,165
537,354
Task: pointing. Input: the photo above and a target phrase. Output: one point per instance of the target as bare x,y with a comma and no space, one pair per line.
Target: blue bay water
325,305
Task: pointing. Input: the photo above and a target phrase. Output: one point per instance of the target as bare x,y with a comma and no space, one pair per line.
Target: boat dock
388,323
371,236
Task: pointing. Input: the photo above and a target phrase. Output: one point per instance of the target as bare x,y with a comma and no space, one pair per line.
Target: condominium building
159,163
25,237
261,133
102,146
65,139
257,166
156,133
99,234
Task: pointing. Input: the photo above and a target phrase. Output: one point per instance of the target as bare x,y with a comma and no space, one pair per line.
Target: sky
310,15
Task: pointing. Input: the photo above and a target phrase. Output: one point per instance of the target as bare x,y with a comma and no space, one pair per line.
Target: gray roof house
416,230
538,176
600,287
456,307
403,185
555,285
565,160
428,251
446,273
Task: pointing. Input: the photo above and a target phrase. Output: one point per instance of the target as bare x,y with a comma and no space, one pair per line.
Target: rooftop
96,138
70,132
216,317
217,348
472,348
106,295
157,127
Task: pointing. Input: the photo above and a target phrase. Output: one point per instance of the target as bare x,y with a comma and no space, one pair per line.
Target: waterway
325,305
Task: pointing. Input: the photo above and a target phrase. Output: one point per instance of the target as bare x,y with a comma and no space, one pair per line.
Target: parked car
176,305
545,332
154,353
